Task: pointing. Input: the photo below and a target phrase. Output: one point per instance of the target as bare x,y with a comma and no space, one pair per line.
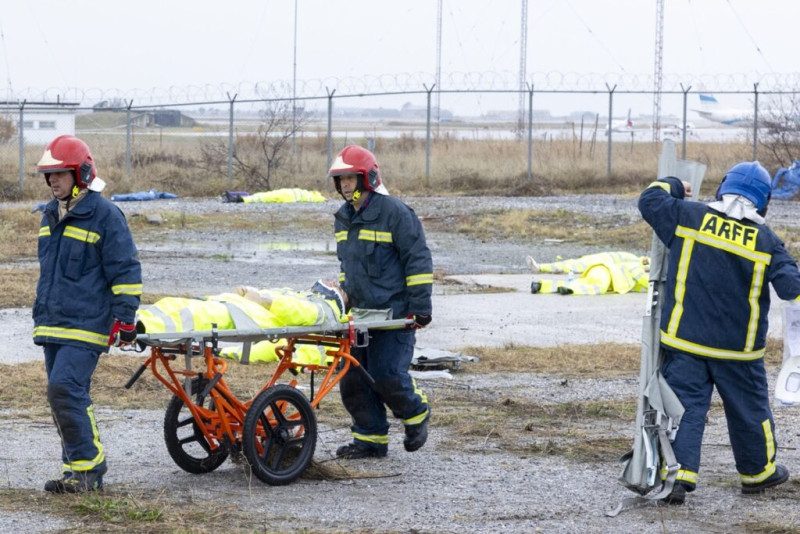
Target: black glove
122,334
421,321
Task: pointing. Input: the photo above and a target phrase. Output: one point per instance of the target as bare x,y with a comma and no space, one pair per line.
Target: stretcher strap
241,319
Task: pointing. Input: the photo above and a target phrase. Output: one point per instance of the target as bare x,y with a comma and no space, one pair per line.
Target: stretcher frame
276,428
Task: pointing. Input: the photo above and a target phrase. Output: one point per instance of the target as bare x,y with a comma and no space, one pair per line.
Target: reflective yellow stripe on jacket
419,279
71,333
374,235
81,235
127,289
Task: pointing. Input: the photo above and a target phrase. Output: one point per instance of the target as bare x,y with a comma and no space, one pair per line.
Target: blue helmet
750,180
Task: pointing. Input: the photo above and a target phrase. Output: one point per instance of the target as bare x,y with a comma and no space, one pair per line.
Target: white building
41,121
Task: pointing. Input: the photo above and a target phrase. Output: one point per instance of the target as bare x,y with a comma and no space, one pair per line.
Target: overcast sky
174,43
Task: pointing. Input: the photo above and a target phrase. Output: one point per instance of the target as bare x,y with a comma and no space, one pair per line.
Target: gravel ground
478,487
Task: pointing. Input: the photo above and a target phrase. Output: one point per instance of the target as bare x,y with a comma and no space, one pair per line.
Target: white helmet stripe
340,165
48,159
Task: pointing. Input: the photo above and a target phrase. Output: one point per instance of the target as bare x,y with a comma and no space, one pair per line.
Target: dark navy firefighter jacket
385,261
717,292
90,274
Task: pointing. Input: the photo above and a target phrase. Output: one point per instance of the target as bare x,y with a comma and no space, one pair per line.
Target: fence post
231,99
755,121
530,131
21,144
428,138
683,143
330,126
128,139
609,132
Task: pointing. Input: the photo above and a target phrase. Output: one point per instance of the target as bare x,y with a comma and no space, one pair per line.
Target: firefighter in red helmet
385,264
88,291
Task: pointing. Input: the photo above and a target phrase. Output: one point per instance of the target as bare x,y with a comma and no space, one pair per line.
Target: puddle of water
240,251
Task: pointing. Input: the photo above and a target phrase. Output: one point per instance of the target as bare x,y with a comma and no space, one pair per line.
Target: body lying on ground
605,272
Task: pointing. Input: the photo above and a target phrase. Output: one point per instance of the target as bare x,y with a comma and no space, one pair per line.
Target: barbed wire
409,82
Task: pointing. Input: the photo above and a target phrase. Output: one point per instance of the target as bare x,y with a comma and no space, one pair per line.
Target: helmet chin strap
356,196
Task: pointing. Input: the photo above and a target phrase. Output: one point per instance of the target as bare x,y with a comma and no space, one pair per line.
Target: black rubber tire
279,435
186,444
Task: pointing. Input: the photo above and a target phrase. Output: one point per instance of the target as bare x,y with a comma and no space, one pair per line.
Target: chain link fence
602,125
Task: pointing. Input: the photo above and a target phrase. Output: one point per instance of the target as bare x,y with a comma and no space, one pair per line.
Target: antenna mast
523,61
658,71
438,81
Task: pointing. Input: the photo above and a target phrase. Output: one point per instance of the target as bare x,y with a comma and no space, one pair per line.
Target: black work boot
677,496
77,482
416,435
780,476
536,287
358,449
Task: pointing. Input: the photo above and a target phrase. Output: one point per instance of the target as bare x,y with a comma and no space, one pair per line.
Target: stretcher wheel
185,441
280,435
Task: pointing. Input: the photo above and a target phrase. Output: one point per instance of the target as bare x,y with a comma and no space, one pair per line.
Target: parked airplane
677,129
713,111
621,126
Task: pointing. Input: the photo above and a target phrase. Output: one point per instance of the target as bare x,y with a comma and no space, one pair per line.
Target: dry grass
568,361
535,226
18,286
457,166
18,234
600,360
219,221
481,420
790,236
122,510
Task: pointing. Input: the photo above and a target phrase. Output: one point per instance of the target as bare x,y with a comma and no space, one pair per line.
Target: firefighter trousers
69,377
386,358
742,385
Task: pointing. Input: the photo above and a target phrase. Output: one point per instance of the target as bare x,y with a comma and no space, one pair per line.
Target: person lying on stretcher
249,308
606,272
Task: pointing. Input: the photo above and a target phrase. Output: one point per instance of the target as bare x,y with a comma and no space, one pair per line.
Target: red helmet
68,153
354,159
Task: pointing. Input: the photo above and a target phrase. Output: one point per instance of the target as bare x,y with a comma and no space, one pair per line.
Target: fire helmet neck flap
68,153
357,160
750,180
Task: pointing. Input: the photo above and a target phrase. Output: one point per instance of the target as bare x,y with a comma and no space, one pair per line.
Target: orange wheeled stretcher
276,430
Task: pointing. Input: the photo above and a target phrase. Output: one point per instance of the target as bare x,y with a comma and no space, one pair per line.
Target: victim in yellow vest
230,311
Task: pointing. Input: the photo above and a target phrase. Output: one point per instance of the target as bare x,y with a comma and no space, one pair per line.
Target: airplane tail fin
708,100
630,122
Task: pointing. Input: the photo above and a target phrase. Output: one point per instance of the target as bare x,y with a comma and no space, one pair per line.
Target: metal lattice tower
438,80
658,70
523,61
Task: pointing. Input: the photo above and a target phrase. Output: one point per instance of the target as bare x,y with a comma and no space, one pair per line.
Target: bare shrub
781,135
8,131
260,156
